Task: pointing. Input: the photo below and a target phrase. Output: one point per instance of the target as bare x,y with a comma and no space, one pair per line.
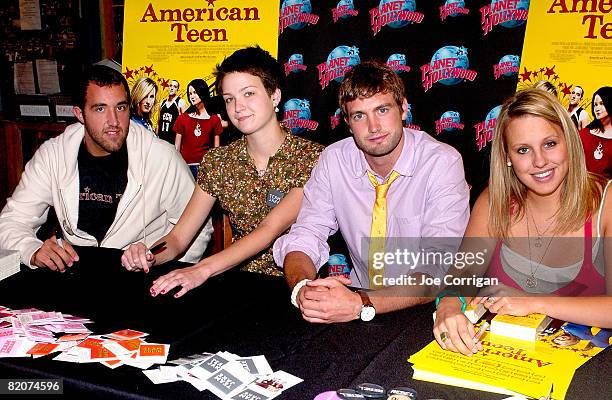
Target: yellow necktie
378,232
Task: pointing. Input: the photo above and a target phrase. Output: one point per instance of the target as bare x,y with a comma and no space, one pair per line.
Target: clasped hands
328,300
138,258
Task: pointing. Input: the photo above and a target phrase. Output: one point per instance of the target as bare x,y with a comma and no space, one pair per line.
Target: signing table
243,313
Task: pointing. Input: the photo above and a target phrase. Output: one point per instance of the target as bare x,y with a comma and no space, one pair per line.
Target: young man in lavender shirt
426,207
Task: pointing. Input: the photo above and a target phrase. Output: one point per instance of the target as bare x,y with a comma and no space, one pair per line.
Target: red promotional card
127,334
42,349
131,345
152,350
91,343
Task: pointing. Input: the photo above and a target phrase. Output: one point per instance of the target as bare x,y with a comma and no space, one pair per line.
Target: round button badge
402,393
349,394
371,390
330,395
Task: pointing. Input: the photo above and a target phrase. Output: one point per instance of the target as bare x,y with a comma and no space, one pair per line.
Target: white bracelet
296,290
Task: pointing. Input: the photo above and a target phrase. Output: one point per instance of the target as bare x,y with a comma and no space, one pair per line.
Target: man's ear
78,113
404,109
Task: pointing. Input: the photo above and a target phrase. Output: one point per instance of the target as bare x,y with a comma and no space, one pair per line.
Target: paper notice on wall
23,78
29,15
48,79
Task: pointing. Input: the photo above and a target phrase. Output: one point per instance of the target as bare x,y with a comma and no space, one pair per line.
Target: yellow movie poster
172,42
569,44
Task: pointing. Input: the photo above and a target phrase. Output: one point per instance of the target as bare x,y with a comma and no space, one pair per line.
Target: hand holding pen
55,253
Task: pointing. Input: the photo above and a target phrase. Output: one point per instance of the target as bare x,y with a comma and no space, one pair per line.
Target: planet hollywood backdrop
459,60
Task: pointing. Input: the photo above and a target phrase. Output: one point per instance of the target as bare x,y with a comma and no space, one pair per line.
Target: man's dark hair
101,76
255,61
366,80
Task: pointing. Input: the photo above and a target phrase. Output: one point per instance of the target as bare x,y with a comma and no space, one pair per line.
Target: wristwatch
367,308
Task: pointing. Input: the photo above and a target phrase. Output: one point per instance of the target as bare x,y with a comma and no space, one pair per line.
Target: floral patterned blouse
229,174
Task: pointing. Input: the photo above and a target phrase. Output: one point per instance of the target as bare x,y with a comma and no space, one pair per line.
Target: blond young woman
144,101
544,223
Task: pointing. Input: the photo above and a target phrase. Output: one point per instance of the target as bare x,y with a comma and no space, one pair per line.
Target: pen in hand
478,335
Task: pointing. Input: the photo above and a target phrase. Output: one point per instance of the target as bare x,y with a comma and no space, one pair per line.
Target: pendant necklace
539,237
531,280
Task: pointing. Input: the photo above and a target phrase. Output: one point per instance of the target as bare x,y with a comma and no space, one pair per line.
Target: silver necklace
531,280
538,239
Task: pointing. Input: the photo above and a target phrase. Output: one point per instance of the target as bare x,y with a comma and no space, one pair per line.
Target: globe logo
514,61
337,259
296,59
492,115
343,57
453,52
397,62
520,5
296,109
345,4
454,3
451,117
408,120
407,5
306,8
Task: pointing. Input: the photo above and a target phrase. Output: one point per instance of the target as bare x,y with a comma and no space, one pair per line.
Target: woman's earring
276,109
509,163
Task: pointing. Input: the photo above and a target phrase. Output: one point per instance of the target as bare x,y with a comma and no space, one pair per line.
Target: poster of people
167,44
569,45
568,51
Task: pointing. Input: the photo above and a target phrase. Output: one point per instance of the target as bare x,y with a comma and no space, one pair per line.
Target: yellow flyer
569,44
181,40
515,367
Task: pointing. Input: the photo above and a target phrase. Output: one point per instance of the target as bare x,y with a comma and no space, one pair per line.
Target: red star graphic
154,73
148,70
128,73
526,75
567,90
550,71
556,77
165,83
541,69
141,69
534,74
211,3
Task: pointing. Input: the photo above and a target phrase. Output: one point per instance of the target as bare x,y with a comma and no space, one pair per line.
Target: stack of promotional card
9,263
36,333
226,375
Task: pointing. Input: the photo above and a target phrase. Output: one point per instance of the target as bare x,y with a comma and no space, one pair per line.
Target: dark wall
418,42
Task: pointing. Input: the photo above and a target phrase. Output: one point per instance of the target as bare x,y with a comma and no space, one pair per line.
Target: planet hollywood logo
294,64
394,14
449,66
397,62
506,13
296,116
453,8
343,10
484,130
336,119
339,62
449,121
296,14
508,65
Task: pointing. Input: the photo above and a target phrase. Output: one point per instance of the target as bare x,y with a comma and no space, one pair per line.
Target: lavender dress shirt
427,206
